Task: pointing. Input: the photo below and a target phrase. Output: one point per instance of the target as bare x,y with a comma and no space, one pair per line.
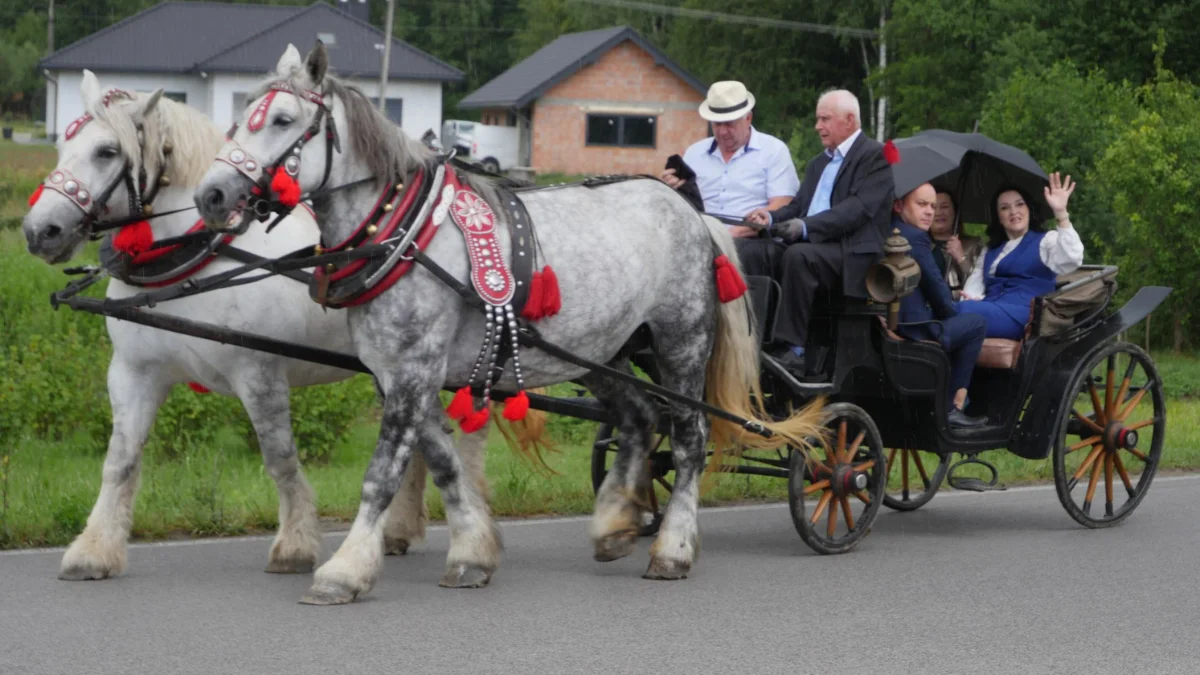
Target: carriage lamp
894,277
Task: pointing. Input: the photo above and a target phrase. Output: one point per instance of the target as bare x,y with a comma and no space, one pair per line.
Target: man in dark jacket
833,229
929,313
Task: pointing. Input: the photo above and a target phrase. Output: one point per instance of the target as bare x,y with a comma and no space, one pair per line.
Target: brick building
602,101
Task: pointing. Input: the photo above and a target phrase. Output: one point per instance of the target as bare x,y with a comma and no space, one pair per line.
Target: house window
177,96
629,131
239,104
393,108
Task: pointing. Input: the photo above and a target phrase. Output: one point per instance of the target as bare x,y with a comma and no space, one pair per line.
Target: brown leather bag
1062,309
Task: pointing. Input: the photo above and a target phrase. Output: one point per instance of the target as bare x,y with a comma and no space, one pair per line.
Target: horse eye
107,152
282,121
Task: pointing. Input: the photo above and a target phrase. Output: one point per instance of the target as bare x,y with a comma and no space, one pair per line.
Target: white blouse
1061,250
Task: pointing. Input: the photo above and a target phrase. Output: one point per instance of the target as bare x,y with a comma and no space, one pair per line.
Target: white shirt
757,172
1061,250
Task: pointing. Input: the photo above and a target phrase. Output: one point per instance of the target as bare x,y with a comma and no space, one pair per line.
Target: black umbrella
972,167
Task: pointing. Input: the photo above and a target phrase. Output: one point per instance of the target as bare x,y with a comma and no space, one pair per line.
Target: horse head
290,142
112,163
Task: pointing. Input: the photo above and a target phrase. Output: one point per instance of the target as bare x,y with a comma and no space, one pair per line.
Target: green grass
22,168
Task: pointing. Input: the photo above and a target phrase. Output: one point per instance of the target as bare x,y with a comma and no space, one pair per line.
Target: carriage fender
1040,422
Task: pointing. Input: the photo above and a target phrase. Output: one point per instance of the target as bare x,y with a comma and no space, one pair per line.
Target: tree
1066,120
1152,171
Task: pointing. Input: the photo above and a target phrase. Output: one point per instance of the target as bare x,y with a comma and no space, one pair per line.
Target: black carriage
1070,388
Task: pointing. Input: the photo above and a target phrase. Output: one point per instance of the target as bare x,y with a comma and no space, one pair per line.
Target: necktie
820,200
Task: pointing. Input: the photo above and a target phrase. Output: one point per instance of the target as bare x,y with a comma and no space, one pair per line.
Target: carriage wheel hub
846,480
1117,436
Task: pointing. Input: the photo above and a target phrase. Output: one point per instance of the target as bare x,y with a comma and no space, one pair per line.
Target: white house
209,55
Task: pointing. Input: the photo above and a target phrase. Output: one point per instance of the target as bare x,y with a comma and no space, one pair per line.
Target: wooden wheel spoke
841,442
1133,403
865,466
1087,463
663,482
1139,454
1126,380
1083,444
1142,424
1087,421
821,504
845,501
1109,381
921,468
1097,406
891,462
831,526
1120,466
822,485
904,472
863,496
854,446
1091,491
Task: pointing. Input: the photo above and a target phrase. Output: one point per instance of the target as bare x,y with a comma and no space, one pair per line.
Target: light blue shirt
759,171
824,191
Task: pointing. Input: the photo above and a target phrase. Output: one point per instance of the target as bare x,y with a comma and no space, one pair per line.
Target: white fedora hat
727,101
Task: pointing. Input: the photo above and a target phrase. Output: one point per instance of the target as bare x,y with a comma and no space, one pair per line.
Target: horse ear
290,61
317,63
149,104
89,88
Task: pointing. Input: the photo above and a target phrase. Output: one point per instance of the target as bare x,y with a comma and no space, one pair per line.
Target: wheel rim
835,492
1112,435
913,477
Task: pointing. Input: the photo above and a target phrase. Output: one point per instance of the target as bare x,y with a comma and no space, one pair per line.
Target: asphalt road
993,583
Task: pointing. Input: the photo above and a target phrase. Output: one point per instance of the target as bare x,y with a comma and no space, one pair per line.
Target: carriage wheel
908,470
1110,436
835,492
660,466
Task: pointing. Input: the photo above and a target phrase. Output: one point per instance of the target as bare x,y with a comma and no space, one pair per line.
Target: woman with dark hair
954,254
1021,260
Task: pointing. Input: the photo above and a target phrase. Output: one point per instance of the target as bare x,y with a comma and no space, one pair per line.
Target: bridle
261,174
141,193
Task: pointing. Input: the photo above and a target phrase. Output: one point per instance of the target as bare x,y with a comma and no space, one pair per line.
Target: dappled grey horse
627,255
123,135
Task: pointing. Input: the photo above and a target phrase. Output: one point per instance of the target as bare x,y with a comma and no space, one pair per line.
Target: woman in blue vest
1021,260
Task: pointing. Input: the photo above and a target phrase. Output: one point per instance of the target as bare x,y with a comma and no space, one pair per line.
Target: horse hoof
466,576
82,573
289,567
666,570
616,545
395,546
328,594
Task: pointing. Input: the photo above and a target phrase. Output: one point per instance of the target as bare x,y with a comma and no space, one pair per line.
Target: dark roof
185,37
522,84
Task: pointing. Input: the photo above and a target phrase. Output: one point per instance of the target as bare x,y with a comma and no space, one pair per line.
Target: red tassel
551,297
891,153
461,405
37,194
287,188
533,304
516,407
134,239
198,388
475,421
730,285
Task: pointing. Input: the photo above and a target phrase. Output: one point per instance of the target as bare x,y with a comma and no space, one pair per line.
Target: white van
494,148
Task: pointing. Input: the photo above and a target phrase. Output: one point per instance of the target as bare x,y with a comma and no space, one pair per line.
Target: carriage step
975,485
971,483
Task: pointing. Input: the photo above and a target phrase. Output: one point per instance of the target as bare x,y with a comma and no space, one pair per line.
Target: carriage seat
996,353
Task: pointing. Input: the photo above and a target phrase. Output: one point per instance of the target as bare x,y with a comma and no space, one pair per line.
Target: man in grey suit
834,228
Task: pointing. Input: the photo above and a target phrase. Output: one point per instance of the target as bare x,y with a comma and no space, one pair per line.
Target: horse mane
387,150
194,137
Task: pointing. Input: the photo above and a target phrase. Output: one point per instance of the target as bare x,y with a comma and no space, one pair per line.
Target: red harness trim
385,232
154,254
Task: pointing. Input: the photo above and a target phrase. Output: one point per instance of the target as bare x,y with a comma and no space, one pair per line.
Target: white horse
628,255
127,134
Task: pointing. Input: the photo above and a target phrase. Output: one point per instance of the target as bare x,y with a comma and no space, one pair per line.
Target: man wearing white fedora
738,169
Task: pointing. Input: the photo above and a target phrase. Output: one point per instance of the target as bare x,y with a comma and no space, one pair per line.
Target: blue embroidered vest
1020,277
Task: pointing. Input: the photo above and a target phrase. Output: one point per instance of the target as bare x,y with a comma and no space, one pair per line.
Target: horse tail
733,378
527,438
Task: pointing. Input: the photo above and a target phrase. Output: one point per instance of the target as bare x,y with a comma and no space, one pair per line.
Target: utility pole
50,30
387,55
